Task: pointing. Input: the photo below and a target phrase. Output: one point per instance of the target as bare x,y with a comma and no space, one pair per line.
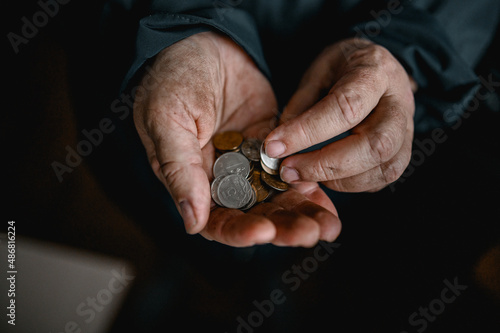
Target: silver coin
266,169
250,148
271,163
213,189
252,201
231,164
234,191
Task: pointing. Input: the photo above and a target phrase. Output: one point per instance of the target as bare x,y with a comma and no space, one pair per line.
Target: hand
206,84
369,94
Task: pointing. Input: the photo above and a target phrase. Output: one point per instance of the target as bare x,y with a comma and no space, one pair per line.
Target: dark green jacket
438,42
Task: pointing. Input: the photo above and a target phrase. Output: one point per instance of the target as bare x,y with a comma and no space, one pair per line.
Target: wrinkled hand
369,94
206,84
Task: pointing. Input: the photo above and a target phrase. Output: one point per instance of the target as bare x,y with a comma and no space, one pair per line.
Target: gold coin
255,178
228,141
262,191
262,194
273,182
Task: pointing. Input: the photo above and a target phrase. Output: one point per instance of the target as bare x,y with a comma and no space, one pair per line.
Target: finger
300,221
375,141
329,221
176,158
350,100
236,228
314,193
292,228
313,202
377,177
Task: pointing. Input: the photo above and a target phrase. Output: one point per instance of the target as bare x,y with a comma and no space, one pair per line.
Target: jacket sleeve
164,23
439,43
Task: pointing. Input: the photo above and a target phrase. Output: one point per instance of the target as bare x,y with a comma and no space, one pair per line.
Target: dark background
396,248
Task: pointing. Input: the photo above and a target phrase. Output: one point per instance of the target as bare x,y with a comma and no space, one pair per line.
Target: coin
243,174
251,149
273,182
231,163
266,169
228,141
262,191
250,173
269,163
253,199
213,189
262,194
234,191
254,179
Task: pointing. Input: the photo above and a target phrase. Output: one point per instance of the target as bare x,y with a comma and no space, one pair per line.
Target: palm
299,217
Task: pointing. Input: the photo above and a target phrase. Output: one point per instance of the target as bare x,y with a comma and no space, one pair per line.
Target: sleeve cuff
161,30
445,81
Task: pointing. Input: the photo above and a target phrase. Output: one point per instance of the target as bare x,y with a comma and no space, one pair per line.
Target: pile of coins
243,174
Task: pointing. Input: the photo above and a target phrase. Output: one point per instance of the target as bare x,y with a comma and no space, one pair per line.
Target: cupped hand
353,86
200,86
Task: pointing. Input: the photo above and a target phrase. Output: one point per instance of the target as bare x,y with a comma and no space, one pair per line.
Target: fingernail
187,215
288,174
275,148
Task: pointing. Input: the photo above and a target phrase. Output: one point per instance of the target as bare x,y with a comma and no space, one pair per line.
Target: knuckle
350,104
374,62
316,172
322,172
392,171
380,56
304,133
382,146
378,52
371,52
323,169
172,172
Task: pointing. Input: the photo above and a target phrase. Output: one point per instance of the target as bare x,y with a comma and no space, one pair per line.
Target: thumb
176,158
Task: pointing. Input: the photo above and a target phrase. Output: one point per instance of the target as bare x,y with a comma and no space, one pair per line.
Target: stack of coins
243,174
